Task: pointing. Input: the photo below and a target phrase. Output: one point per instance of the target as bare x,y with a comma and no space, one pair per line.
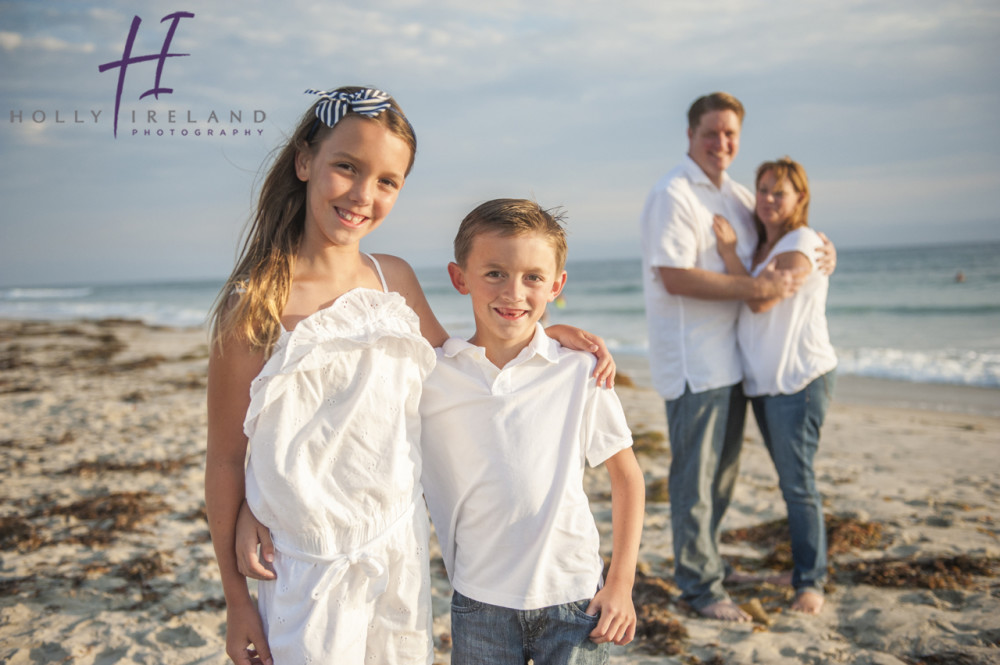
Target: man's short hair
511,217
717,101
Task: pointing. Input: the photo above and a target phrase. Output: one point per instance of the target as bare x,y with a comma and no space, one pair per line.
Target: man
692,307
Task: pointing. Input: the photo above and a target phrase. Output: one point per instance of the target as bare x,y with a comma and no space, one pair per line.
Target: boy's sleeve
606,430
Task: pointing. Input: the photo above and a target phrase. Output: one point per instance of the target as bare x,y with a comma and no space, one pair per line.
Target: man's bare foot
725,610
808,602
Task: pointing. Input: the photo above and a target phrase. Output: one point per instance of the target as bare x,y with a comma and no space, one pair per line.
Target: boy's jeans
484,634
706,435
790,425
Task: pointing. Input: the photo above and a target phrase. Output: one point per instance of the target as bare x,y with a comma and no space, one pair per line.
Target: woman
788,361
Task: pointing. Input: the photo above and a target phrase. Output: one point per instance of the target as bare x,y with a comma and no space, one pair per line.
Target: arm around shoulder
400,278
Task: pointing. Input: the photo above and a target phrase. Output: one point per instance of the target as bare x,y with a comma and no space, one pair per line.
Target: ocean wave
970,368
914,310
62,310
39,293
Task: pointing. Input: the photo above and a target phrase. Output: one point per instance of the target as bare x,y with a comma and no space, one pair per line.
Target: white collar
698,177
540,345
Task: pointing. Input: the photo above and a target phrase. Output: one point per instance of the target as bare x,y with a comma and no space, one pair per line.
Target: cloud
11,41
887,104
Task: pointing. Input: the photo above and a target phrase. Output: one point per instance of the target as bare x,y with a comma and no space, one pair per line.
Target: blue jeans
484,634
790,425
706,435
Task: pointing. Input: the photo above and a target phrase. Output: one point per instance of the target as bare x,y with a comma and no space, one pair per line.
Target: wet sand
105,555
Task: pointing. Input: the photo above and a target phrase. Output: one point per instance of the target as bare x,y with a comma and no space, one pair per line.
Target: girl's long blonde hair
250,304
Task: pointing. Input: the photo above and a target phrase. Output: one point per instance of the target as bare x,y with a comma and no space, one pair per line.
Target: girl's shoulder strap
378,269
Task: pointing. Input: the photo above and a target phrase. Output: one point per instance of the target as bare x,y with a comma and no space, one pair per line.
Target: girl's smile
353,178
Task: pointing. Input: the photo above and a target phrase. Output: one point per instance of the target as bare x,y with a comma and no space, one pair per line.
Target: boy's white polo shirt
504,453
692,341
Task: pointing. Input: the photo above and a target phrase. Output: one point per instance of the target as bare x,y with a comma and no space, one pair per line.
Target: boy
509,420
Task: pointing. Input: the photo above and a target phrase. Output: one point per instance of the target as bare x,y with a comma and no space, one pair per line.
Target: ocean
894,313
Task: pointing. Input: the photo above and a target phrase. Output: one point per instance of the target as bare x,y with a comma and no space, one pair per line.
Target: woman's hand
725,237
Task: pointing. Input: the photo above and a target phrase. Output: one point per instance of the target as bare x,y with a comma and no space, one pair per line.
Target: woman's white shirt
787,347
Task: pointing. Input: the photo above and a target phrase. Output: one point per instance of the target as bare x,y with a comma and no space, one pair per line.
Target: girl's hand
246,643
725,237
249,534
581,340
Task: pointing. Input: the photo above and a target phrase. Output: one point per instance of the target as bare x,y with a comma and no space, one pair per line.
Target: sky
890,106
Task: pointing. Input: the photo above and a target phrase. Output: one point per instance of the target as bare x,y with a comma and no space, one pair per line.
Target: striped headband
334,105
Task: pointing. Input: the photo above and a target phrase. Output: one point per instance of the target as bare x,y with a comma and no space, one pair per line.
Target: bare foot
807,602
725,610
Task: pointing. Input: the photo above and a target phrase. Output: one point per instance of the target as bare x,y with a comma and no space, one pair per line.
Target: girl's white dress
333,471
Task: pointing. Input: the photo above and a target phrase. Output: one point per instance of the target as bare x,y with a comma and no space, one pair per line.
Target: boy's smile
510,280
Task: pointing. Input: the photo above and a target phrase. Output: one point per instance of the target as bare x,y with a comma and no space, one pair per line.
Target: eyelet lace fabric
333,424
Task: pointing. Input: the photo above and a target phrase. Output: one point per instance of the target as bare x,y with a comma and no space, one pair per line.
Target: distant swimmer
960,277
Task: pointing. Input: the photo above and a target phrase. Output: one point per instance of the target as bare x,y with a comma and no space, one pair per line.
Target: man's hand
826,256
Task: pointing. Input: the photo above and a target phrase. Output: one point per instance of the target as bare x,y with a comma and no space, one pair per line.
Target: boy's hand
246,643
581,340
618,621
249,534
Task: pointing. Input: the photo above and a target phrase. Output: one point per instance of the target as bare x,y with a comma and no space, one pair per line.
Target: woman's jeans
484,634
790,425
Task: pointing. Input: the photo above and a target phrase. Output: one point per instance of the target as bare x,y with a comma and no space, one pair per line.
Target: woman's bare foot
807,602
725,610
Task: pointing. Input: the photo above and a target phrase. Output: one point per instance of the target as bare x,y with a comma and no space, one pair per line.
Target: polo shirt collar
540,345
698,177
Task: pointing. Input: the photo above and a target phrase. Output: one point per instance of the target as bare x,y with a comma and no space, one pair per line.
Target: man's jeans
706,435
484,634
790,425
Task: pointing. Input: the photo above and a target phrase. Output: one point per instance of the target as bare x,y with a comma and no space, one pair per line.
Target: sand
105,554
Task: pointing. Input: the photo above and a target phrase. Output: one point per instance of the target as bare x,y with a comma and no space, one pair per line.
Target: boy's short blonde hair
512,217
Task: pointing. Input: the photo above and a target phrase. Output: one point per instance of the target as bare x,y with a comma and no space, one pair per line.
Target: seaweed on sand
165,467
956,572
658,631
843,534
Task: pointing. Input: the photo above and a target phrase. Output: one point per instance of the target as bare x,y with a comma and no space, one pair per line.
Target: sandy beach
105,554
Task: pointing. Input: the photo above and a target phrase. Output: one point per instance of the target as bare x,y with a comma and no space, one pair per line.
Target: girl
788,361
318,355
